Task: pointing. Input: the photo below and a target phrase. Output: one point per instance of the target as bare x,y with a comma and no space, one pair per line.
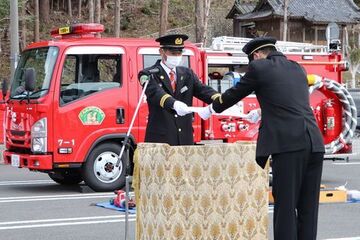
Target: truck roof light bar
81,29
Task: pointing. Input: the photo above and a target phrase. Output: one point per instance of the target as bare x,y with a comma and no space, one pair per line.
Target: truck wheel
67,177
99,171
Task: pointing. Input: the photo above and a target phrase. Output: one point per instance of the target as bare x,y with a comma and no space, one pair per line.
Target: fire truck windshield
42,60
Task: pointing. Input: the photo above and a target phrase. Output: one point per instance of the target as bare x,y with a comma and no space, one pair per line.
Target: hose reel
349,113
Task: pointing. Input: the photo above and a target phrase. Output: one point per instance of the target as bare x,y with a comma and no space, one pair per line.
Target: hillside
139,18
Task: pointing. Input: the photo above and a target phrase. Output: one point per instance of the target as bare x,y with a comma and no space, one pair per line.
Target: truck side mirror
4,88
30,79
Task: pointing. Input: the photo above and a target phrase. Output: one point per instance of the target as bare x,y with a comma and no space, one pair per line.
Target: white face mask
173,61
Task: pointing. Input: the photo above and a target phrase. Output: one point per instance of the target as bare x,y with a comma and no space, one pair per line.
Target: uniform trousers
296,189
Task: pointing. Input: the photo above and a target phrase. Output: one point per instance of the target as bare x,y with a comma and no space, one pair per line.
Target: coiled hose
349,110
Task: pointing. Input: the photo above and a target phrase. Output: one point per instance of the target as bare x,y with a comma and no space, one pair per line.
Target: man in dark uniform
169,93
288,132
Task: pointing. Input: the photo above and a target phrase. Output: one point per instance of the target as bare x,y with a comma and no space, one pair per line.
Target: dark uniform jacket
281,88
164,125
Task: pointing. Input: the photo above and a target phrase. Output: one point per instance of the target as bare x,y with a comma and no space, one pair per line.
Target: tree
202,11
37,22
354,61
23,24
98,11
206,19
352,51
164,17
44,11
117,18
69,8
199,20
4,15
91,11
79,7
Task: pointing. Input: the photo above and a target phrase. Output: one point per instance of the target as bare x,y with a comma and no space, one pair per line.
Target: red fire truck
72,98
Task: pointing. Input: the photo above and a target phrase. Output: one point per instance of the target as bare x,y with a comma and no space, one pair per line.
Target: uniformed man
169,93
288,132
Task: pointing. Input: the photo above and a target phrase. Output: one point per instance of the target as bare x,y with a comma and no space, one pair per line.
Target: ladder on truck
235,44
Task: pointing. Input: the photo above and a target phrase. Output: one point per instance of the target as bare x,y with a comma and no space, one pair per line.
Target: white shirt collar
166,68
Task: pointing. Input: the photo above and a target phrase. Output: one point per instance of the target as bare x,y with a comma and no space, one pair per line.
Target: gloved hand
205,112
143,76
181,108
253,116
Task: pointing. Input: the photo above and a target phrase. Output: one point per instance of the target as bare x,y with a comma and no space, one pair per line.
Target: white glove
181,108
205,112
253,116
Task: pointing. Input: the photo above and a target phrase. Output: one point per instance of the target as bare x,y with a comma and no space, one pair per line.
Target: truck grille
17,133
19,142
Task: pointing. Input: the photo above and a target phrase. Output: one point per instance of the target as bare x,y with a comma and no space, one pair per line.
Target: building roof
315,11
242,8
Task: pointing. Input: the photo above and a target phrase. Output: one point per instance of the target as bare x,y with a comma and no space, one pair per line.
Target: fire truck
72,98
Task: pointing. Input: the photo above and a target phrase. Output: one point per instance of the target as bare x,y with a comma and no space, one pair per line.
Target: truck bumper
34,162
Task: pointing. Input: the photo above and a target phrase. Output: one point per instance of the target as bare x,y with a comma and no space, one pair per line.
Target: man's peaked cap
258,43
175,41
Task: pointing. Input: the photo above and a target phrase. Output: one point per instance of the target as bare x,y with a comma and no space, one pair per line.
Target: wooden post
304,34
285,25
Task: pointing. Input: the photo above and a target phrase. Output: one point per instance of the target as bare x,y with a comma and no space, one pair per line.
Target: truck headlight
39,136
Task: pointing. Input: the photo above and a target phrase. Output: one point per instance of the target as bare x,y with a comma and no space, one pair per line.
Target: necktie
172,80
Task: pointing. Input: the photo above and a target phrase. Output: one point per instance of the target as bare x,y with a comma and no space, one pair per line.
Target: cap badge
178,41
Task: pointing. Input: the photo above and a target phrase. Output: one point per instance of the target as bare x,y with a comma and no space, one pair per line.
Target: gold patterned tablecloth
200,192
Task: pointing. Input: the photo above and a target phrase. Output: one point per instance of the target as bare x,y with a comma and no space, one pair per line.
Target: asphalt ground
34,207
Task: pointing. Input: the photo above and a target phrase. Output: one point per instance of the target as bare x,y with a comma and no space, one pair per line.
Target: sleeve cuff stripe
163,99
215,96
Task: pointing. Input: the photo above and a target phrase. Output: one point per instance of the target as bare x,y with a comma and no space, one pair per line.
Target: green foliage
179,13
154,4
146,10
4,9
125,22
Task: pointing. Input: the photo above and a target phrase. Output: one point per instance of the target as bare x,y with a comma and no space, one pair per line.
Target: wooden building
307,19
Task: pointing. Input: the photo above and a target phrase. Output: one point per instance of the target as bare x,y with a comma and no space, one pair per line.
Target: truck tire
67,177
99,171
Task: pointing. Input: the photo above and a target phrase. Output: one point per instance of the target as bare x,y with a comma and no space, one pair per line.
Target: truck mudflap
33,162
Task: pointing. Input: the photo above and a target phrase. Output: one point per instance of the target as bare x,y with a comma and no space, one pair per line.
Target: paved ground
34,207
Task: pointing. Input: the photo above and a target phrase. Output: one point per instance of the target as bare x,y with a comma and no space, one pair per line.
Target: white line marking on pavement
55,197
349,163
106,219
63,219
29,182
351,238
55,222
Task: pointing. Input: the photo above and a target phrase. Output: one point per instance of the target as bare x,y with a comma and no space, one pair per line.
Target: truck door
90,100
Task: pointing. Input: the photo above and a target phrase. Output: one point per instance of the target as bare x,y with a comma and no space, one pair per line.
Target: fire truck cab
72,99
71,102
